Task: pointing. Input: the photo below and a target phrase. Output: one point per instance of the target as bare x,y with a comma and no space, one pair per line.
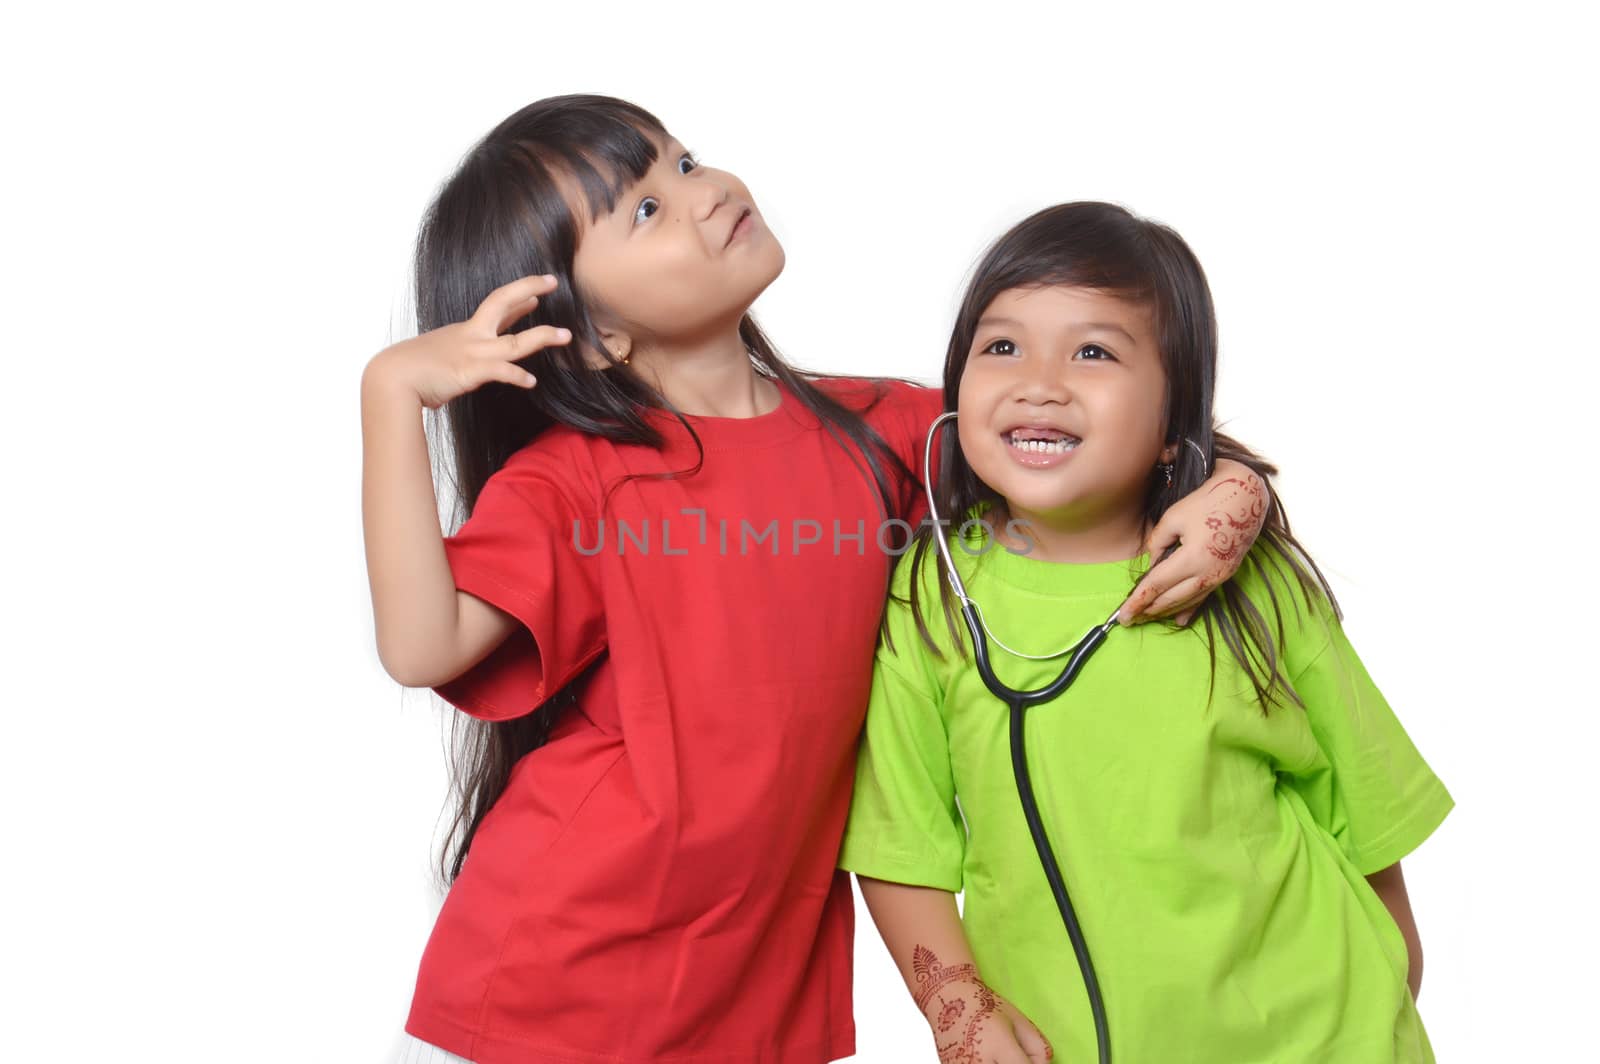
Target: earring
1166,469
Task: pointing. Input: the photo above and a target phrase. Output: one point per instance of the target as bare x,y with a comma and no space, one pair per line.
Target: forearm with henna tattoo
943,993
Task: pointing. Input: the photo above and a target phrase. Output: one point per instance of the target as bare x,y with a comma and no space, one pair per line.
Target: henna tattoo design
1234,529
931,975
963,1046
949,1013
966,1049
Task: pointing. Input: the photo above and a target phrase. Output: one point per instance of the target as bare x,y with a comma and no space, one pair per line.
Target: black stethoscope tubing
1018,702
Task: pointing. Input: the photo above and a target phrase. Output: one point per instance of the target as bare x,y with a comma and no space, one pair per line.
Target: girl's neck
1071,539
713,379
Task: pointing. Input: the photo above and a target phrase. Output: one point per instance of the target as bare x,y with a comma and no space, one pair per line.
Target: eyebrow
1102,326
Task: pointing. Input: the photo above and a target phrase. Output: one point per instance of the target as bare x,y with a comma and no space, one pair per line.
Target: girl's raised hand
452,360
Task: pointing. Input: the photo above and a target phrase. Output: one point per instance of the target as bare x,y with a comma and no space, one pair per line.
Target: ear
616,347
1169,453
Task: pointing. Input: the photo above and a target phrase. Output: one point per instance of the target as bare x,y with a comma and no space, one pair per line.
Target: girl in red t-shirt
660,616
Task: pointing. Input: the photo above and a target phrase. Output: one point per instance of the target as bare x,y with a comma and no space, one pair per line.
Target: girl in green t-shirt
1229,802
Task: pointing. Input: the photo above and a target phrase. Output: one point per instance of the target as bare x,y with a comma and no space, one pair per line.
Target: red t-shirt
658,881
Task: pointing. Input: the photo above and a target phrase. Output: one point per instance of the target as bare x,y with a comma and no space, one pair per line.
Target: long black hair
1107,248
499,217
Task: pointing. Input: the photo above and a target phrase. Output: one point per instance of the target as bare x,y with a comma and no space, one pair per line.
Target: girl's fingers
522,308
1162,538
1151,586
508,373
1185,593
503,366
1138,602
509,302
1010,1053
1032,1042
530,341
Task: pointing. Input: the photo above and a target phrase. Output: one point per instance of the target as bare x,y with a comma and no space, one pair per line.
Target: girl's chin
1051,507
760,280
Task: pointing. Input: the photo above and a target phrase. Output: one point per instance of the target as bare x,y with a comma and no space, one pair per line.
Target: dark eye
1095,351
686,163
1001,347
646,209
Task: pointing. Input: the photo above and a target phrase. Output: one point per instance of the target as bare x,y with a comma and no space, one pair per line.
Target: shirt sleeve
915,408
519,551
904,825
1366,783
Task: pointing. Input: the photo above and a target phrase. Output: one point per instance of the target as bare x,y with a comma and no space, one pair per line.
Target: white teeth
1045,446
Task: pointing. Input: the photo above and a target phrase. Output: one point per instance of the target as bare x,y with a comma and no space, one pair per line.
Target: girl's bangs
617,151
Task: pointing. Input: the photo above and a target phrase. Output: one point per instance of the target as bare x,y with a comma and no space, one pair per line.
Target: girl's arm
427,631
1211,528
922,929
1390,885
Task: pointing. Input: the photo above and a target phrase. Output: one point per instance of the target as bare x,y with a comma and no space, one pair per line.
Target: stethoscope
1018,701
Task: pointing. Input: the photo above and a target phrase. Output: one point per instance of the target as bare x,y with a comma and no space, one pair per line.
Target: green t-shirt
1215,855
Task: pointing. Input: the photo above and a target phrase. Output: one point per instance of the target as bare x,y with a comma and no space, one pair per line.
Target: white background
219,809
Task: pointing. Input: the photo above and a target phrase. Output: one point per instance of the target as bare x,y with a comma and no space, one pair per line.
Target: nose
1042,380
710,193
